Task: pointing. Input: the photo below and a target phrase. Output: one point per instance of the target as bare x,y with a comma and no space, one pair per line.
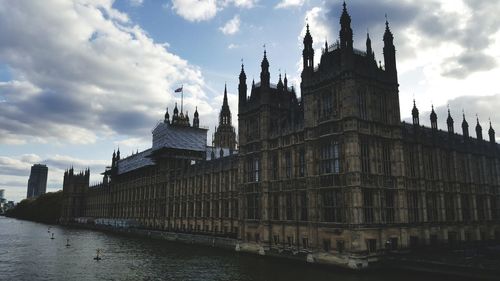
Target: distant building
37,183
2,194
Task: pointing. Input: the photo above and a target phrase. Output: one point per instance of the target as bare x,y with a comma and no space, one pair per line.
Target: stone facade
333,173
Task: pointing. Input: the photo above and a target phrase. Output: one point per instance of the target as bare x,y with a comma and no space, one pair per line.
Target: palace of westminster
333,173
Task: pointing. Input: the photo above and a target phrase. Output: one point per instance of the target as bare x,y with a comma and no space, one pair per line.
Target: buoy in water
67,243
52,236
97,257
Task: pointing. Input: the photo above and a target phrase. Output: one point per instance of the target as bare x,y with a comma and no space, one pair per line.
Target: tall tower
37,183
225,135
242,87
346,42
307,55
264,73
390,53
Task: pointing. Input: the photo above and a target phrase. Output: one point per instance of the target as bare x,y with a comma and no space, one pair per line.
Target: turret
167,117
346,42
479,130
176,114
279,85
414,114
242,87
390,53
285,83
433,118
113,160
264,73
369,51
491,133
196,119
225,112
307,54
118,155
465,128
449,122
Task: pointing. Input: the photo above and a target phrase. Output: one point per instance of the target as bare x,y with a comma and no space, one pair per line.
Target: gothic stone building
333,174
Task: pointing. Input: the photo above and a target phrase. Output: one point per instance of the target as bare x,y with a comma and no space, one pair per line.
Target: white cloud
232,26
233,46
195,10
204,10
289,4
136,3
244,3
82,71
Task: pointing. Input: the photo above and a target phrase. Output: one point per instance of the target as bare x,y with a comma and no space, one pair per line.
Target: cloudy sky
81,78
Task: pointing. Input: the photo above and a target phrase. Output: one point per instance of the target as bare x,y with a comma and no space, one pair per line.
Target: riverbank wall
476,267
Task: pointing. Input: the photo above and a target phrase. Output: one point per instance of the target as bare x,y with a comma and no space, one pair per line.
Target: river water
28,253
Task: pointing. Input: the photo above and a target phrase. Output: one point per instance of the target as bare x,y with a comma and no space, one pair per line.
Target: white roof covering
179,137
135,161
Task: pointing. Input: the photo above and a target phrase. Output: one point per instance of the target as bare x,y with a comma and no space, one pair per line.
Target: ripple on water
28,253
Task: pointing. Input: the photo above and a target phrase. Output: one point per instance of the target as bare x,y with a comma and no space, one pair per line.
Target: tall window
330,158
412,197
449,207
274,166
332,206
303,206
386,159
387,201
289,206
432,207
288,164
365,156
302,163
253,169
363,114
326,104
466,210
253,203
368,205
256,164
276,206
481,203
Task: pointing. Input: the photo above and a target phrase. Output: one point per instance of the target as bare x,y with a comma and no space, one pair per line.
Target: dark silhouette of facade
37,182
334,176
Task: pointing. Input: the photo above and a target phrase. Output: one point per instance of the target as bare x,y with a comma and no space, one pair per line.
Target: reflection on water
28,253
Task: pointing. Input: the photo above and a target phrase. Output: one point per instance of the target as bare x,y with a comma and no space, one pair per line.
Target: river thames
28,253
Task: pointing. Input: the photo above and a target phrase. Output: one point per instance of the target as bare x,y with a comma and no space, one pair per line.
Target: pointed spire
345,29
465,126
433,118
479,129
449,122
414,114
242,87
264,73
280,83
176,111
285,82
491,133
167,117
225,95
